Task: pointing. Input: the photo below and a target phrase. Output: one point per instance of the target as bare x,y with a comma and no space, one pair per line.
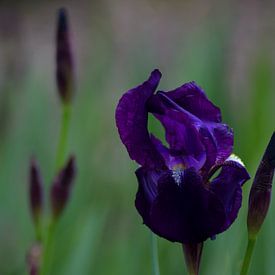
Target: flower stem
154,249
63,137
59,161
47,249
192,254
248,256
38,230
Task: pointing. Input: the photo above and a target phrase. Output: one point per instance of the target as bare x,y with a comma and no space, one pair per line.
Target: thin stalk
192,254
38,230
47,249
154,250
248,256
60,158
63,136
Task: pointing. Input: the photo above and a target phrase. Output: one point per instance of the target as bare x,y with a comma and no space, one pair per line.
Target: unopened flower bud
60,191
35,191
192,254
64,59
260,193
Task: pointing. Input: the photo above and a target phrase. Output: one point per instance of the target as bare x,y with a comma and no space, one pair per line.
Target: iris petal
216,138
223,136
147,191
132,119
183,138
227,186
218,141
193,99
184,212
180,132
206,117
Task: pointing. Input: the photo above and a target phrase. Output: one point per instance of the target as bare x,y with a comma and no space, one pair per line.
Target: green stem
47,249
59,162
63,137
38,230
154,249
248,256
192,254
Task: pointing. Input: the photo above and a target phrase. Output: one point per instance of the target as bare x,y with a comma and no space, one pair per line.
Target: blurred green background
227,47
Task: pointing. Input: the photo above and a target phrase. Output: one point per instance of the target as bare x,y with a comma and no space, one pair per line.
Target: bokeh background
225,46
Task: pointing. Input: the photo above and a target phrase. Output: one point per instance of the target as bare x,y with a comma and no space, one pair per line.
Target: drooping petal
227,186
185,212
193,99
147,191
132,119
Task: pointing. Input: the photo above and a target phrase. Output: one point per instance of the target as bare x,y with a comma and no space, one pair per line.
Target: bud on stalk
60,191
35,192
260,193
64,58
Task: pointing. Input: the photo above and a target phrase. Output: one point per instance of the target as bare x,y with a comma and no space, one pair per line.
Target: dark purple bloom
61,188
177,198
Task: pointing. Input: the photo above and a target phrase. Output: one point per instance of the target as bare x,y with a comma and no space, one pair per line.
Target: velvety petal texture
193,99
132,119
227,186
176,197
147,191
182,212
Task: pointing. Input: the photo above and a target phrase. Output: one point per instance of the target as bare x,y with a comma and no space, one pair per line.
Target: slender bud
60,191
64,58
35,192
260,193
192,255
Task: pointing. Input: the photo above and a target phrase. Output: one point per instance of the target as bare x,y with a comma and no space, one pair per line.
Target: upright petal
224,139
218,141
227,186
171,161
193,99
217,138
186,212
181,132
132,120
211,149
184,139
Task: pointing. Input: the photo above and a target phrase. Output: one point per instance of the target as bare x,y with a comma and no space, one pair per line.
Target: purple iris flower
177,196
